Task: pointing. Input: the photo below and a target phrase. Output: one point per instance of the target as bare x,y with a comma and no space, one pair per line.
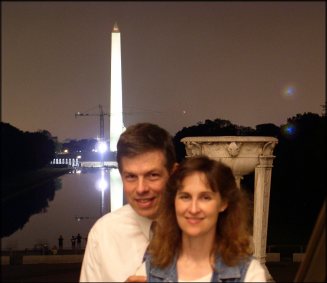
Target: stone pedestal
244,154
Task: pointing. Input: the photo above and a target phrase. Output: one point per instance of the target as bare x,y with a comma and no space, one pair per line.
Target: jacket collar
221,272
168,273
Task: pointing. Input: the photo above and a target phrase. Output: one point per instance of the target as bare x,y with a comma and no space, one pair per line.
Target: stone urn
244,154
241,153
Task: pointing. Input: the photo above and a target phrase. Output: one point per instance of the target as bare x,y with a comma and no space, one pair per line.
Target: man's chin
147,213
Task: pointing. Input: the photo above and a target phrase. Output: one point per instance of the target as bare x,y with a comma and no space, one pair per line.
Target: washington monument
116,96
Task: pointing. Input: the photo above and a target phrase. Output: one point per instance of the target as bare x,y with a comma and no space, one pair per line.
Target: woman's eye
154,176
206,197
184,196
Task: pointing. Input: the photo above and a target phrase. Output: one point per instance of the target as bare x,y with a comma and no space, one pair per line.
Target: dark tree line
298,177
299,171
24,151
83,145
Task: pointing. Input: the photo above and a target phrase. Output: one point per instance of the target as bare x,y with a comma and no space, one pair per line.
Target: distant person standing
79,240
61,242
73,241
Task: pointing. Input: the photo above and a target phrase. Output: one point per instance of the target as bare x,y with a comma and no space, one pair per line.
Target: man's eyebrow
128,172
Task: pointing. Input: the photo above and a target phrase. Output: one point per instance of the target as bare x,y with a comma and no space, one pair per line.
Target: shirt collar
144,224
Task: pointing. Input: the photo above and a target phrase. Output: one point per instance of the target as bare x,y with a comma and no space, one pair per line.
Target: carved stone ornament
241,153
233,149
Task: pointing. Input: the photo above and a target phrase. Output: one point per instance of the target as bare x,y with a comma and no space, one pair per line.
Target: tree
218,127
24,151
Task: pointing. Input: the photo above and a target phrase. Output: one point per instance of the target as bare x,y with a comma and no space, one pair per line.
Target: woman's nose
194,208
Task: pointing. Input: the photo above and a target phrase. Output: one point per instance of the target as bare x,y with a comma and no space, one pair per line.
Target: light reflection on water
75,208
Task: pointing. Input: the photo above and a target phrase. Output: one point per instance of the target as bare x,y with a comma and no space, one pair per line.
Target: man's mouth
145,202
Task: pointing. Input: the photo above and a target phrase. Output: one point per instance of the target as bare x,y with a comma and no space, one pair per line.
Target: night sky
182,63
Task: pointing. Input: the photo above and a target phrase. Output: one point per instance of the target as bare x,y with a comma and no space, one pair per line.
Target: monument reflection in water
81,200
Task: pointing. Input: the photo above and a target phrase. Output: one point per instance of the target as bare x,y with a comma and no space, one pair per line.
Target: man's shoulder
122,212
118,217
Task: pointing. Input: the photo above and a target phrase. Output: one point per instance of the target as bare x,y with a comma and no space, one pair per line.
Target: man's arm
136,278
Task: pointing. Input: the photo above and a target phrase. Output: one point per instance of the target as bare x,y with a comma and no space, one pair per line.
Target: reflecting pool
81,200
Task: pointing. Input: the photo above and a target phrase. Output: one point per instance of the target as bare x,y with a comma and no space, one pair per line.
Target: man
118,240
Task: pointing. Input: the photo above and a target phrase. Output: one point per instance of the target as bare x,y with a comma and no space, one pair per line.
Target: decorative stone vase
241,153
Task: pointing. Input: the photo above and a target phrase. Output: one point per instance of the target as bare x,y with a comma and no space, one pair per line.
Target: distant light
102,146
102,184
65,150
289,91
79,157
289,129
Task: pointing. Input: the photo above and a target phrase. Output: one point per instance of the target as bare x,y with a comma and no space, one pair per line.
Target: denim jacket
222,272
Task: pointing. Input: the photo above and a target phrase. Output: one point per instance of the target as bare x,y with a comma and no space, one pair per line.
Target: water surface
74,209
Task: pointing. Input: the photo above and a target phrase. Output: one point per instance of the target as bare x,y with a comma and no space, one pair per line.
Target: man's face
144,179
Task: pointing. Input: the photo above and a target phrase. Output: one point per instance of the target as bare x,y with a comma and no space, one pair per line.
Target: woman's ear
175,166
223,207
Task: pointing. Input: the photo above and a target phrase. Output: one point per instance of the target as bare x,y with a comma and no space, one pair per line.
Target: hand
136,278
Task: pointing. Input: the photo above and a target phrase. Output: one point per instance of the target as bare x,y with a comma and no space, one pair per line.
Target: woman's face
197,206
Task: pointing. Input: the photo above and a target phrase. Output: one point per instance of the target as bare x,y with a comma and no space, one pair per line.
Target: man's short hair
145,137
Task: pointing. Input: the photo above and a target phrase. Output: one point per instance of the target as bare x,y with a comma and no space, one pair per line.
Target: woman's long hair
233,239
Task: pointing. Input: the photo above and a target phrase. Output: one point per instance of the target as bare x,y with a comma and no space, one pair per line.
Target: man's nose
142,186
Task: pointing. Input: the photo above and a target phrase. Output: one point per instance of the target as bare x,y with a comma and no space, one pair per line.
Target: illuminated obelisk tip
115,29
116,104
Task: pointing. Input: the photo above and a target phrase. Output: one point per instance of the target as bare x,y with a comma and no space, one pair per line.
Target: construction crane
101,115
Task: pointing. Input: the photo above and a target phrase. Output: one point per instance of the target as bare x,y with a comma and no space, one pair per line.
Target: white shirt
115,246
255,273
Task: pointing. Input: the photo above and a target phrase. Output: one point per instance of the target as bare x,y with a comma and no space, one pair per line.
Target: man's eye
130,177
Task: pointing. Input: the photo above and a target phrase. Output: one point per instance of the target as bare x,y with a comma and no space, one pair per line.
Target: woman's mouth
193,220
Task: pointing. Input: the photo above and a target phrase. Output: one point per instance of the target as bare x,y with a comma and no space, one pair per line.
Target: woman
201,233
